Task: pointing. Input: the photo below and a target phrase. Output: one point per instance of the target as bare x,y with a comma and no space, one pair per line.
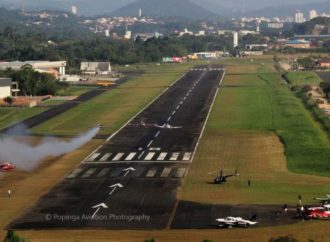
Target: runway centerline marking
141,155
150,143
156,135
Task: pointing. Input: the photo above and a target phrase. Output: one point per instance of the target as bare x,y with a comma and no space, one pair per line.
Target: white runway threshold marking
175,156
166,172
187,156
103,172
162,156
180,172
93,156
89,173
152,172
118,157
131,156
75,173
150,155
105,157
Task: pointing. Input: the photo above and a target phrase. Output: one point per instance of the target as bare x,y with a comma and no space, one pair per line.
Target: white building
57,68
5,87
107,33
140,13
275,25
235,39
8,88
312,14
299,17
128,34
201,33
95,68
74,10
186,32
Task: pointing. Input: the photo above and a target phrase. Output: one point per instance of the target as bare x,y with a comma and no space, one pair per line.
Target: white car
230,222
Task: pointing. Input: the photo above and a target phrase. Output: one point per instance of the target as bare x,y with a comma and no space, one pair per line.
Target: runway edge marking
137,114
197,144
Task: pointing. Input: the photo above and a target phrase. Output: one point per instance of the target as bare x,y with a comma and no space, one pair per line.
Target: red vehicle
322,212
7,167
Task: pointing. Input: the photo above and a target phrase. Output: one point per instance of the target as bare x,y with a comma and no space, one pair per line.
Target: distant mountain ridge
168,8
288,10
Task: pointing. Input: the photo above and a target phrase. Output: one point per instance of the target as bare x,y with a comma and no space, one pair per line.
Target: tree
150,240
13,237
326,88
307,63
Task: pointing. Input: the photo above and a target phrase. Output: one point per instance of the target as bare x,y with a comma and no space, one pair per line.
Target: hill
169,8
288,10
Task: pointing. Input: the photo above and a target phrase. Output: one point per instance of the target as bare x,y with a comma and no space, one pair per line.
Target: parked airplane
7,167
230,222
323,199
223,179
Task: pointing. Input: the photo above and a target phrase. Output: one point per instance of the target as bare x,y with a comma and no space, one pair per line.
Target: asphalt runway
190,215
57,110
131,181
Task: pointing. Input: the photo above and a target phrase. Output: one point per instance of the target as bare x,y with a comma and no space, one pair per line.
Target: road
131,182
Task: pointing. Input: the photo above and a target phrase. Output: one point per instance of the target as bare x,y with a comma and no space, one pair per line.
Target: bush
13,237
150,240
9,100
307,88
283,239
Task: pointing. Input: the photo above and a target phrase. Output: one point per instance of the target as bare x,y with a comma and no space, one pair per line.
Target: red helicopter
7,167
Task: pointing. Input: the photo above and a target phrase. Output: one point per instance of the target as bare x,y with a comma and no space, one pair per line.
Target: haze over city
91,7
164,120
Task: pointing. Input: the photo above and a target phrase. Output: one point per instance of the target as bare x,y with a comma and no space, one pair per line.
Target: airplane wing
322,198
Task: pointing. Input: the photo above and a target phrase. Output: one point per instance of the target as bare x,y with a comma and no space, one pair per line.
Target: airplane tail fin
253,218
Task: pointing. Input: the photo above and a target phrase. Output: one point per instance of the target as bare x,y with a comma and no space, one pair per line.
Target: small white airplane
164,126
323,199
230,222
167,126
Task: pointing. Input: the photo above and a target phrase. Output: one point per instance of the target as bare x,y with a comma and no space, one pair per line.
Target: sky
111,5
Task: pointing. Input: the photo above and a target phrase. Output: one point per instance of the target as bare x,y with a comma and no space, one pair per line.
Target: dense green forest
28,46
32,82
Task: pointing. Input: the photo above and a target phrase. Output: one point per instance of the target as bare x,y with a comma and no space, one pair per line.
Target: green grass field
10,116
257,126
53,102
116,106
75,90
303,78
260,102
